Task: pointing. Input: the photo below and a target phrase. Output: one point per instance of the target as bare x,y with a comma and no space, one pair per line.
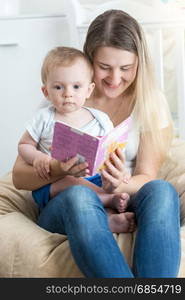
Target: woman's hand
114,172
42,163
70,167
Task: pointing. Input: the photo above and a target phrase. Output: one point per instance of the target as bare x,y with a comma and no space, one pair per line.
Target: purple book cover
69,142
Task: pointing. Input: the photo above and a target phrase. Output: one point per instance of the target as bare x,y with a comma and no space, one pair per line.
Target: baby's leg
115,201
56,188
68,181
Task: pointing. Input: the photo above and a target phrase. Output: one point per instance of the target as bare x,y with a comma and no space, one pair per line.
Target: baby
67,83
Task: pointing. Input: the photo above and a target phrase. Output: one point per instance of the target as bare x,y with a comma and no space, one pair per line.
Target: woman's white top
134,138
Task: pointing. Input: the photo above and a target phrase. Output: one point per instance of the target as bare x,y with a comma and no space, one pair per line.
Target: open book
69,142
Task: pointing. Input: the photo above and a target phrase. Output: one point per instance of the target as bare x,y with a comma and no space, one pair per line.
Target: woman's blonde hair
62,56
115,28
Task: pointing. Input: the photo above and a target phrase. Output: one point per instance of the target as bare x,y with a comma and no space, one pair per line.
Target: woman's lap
152,215
81,216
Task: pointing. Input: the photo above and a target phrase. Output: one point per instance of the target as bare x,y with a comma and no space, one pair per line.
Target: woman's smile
111,85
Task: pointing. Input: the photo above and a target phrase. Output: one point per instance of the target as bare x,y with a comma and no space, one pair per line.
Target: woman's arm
147,166
24,176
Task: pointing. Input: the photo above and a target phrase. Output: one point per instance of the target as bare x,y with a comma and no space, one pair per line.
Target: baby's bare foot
120,202
123,222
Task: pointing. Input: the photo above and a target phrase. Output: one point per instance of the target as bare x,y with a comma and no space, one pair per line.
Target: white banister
180,78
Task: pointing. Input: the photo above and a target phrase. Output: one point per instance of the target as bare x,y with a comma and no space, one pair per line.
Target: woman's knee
160,193
160,185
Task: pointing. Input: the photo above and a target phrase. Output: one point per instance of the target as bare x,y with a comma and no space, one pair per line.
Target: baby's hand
41,165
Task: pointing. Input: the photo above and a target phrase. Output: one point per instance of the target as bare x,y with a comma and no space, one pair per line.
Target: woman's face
114,70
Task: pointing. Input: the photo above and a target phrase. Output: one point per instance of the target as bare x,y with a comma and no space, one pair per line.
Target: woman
125,86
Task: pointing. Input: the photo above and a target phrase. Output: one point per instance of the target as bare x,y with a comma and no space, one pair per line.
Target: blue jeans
78,213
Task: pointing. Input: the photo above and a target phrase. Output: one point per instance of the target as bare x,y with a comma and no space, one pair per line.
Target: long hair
115,28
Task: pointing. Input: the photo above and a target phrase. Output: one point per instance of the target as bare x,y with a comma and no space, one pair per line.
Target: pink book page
116,138
68,142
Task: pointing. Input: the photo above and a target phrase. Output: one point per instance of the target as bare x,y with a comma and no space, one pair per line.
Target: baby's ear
45,91
90,89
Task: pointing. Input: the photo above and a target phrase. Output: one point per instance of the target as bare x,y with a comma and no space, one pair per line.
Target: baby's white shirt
42,125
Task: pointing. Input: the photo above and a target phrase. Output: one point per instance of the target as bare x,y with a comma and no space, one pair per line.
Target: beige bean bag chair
26,250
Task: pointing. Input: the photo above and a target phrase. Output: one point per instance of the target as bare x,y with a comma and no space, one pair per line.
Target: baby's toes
125,196
121,206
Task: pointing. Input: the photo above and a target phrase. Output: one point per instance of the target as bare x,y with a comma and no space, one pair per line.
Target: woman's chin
112,93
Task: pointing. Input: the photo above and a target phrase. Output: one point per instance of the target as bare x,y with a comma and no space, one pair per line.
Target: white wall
41,6
50,6
57,6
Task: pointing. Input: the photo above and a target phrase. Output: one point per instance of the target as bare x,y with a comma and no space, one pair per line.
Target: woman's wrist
55,169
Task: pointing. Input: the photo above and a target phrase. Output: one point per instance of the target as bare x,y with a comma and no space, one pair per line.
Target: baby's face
68,87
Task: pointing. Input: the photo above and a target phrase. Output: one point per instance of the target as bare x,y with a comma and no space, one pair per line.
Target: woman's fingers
111,169
109,178
82,173
116,166
120,154
66,166
116,161
79,170
71,167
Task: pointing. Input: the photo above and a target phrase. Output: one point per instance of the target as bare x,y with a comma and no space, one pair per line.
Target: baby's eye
58,87
76,86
